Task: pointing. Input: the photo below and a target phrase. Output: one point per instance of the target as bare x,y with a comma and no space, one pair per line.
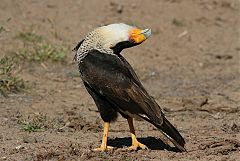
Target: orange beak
138,36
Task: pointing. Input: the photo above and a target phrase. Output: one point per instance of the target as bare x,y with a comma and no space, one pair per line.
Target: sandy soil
190,65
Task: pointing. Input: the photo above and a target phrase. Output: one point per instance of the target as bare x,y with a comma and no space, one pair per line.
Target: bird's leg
104,146
135,143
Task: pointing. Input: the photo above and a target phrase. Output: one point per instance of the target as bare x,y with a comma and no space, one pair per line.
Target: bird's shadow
151,142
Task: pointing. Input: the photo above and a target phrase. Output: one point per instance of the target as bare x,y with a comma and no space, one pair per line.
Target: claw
102,149
137,145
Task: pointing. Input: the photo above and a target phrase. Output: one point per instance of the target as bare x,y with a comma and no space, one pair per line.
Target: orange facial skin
136,36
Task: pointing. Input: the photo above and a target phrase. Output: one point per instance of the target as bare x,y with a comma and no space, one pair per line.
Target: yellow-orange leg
104,146
135,143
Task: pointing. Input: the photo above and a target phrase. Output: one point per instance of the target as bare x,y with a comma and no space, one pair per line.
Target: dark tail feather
172,134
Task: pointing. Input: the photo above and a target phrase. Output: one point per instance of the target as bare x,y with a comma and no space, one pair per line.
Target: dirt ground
190,65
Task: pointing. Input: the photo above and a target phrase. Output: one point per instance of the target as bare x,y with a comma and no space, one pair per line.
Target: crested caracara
113,84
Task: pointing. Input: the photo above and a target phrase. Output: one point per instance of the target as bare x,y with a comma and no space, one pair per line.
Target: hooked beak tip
147,33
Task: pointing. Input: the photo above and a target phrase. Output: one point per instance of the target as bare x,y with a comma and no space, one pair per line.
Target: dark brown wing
113,78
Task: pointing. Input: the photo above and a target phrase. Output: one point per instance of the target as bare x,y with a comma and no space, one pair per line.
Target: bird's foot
103,148
137,145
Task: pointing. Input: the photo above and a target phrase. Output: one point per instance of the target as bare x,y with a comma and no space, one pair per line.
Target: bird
115,87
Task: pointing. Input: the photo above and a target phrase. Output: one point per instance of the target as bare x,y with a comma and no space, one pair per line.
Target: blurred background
190,65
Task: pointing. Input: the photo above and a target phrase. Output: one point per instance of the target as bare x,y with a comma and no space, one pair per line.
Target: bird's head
120,36
112,38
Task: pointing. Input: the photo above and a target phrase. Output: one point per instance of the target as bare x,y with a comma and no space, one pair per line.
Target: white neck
92,42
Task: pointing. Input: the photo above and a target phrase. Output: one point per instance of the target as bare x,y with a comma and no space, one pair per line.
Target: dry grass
36,49
9,82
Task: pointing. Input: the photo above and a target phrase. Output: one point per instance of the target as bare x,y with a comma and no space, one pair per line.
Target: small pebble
29,139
